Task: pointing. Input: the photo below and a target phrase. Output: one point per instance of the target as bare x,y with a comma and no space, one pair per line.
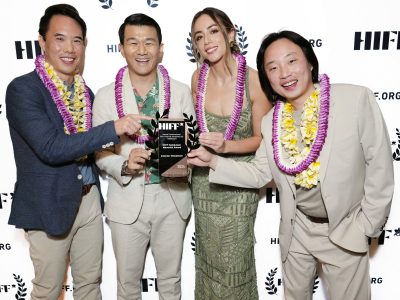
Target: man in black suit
57,196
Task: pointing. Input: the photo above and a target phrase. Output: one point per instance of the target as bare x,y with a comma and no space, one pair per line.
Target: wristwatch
125,169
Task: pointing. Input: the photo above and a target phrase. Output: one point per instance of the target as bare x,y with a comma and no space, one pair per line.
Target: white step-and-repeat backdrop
356,42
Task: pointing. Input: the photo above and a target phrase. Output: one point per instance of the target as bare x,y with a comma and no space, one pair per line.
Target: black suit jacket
48,190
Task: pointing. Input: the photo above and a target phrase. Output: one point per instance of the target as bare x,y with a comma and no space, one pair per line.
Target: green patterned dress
224,222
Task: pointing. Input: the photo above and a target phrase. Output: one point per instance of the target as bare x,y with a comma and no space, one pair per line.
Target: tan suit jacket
356,171
125,194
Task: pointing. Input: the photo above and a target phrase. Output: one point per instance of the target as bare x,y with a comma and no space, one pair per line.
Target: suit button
111,143
79,177
104,146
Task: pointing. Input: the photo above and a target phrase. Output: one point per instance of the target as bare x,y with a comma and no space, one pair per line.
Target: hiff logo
386,234
5,197
396,153
5,247
272,196
112,48
149,285
376,40
315,43
21,292
387,95
27,49
274,241
272,288
376,280
68,288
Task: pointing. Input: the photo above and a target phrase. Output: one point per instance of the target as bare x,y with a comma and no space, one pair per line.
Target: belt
86,188
317,219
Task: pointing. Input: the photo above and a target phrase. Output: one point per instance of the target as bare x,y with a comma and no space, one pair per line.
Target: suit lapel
54,114
324,155
290,181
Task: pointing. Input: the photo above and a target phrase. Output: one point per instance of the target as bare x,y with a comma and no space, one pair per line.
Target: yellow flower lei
309,126
77,105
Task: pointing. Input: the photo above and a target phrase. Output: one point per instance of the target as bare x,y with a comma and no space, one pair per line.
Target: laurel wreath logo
396,153
21,293
153,132
242,39
189,48
152,3
193,242
269,284
194,132
107,3
316,282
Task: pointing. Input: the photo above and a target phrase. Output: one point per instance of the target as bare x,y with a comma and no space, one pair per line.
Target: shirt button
79,177
111,143
104,146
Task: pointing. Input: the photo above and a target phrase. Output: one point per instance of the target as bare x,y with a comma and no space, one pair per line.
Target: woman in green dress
229,107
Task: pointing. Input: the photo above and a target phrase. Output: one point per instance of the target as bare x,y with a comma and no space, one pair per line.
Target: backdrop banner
356,42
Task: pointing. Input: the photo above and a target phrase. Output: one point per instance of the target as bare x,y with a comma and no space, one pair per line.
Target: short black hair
140,20
64,10
294,38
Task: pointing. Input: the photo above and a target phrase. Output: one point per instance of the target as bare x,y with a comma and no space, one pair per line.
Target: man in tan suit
142,207
328,151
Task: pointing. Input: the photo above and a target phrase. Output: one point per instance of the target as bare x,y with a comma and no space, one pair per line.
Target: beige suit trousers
82,246
344,273
160,227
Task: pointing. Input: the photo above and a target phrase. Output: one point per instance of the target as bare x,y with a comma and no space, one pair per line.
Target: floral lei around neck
237,108
314,127
164,98
76,112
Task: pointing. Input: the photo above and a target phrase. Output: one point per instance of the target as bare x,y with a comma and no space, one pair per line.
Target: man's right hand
137,159
129,124
201,157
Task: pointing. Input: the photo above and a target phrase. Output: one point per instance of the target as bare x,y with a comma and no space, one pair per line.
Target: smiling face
63,46
288,71
209,39
141,49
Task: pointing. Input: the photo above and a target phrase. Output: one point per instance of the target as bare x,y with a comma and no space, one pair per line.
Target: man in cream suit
335,187
143,208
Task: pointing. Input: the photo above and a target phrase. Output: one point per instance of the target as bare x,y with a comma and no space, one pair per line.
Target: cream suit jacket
125,194
356,171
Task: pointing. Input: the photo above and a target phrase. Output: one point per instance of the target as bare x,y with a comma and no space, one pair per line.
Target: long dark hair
223,21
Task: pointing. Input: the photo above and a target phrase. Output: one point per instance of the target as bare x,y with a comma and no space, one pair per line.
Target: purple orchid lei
237,108
164,103
55,95
320,137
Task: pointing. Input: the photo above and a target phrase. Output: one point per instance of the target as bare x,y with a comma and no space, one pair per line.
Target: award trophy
172,139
